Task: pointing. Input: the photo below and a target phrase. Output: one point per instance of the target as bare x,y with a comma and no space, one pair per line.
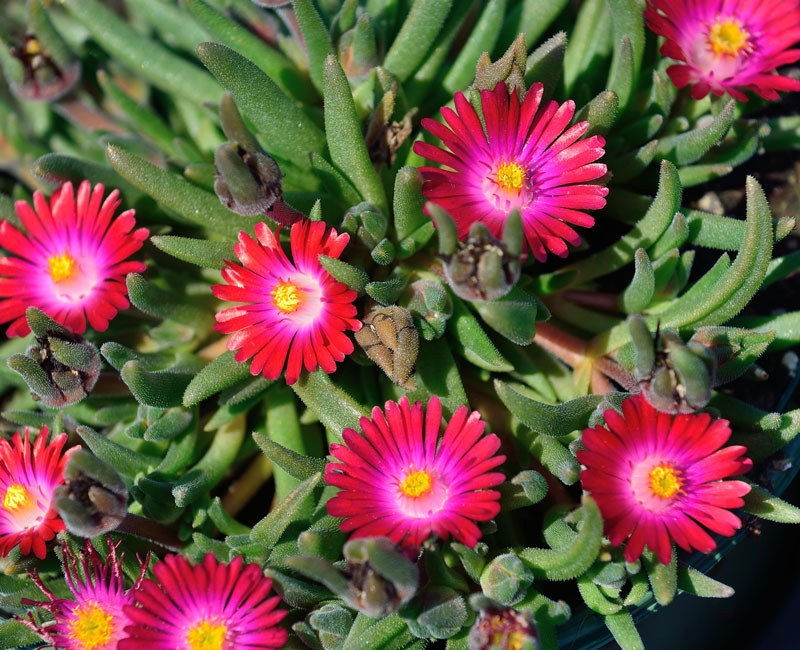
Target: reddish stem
605,301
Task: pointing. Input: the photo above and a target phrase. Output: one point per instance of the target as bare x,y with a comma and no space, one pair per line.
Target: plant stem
245,487
151,531
573,351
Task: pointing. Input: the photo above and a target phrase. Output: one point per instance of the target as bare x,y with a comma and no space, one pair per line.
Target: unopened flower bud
358,51
431,307
365,222
509,68
62,368
506,579
503,629
93,499
674,376
377,580
482,268
247,182
390,339
381,577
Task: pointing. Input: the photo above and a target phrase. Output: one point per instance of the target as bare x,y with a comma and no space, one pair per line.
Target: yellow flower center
92,626
286,297
417,484
206,636
510,176
16,497
728,37
61,266
665,481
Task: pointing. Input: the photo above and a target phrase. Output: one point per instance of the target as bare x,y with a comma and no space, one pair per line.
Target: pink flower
728,45
403,481
72,262
209,606
525,160
297,314
656,477
27,482
93,617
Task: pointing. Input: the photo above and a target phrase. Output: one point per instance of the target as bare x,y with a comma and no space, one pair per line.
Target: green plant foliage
217,120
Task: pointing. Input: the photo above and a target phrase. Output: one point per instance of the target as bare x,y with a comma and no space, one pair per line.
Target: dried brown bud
483,268
390,339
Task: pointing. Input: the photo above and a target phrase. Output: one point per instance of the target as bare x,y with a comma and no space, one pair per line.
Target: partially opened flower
296,314
656,477
28,479
72,261
209,606
527,159
404,481
94,616
728,45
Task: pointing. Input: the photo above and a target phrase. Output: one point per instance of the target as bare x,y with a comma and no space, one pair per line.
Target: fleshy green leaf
203,252
686,148
344,133
294,464
148,58
268,531
572,561
471,342
162,388
179,195
285,130
416,37
761,503
699,584
221,373
546,419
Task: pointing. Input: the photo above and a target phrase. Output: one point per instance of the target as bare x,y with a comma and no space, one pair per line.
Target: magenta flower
297,314
94,618
72,262
656,477
209,606
28,480
403,481
728,45
524,160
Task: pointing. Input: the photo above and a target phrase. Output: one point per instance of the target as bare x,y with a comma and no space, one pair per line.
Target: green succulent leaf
694,582
761,503
269,530
546,419
574,560
625,634
285,130
416,37
296,465
155,63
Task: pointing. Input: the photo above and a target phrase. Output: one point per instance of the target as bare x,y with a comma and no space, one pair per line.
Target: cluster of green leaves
195,437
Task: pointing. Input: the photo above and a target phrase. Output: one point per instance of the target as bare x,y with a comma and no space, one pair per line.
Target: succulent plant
422,316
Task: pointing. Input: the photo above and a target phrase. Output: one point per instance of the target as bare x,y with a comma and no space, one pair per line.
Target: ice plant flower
524,160
728,45
28,479
656,477
209,606
404,481
93,618
296,313
72,261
